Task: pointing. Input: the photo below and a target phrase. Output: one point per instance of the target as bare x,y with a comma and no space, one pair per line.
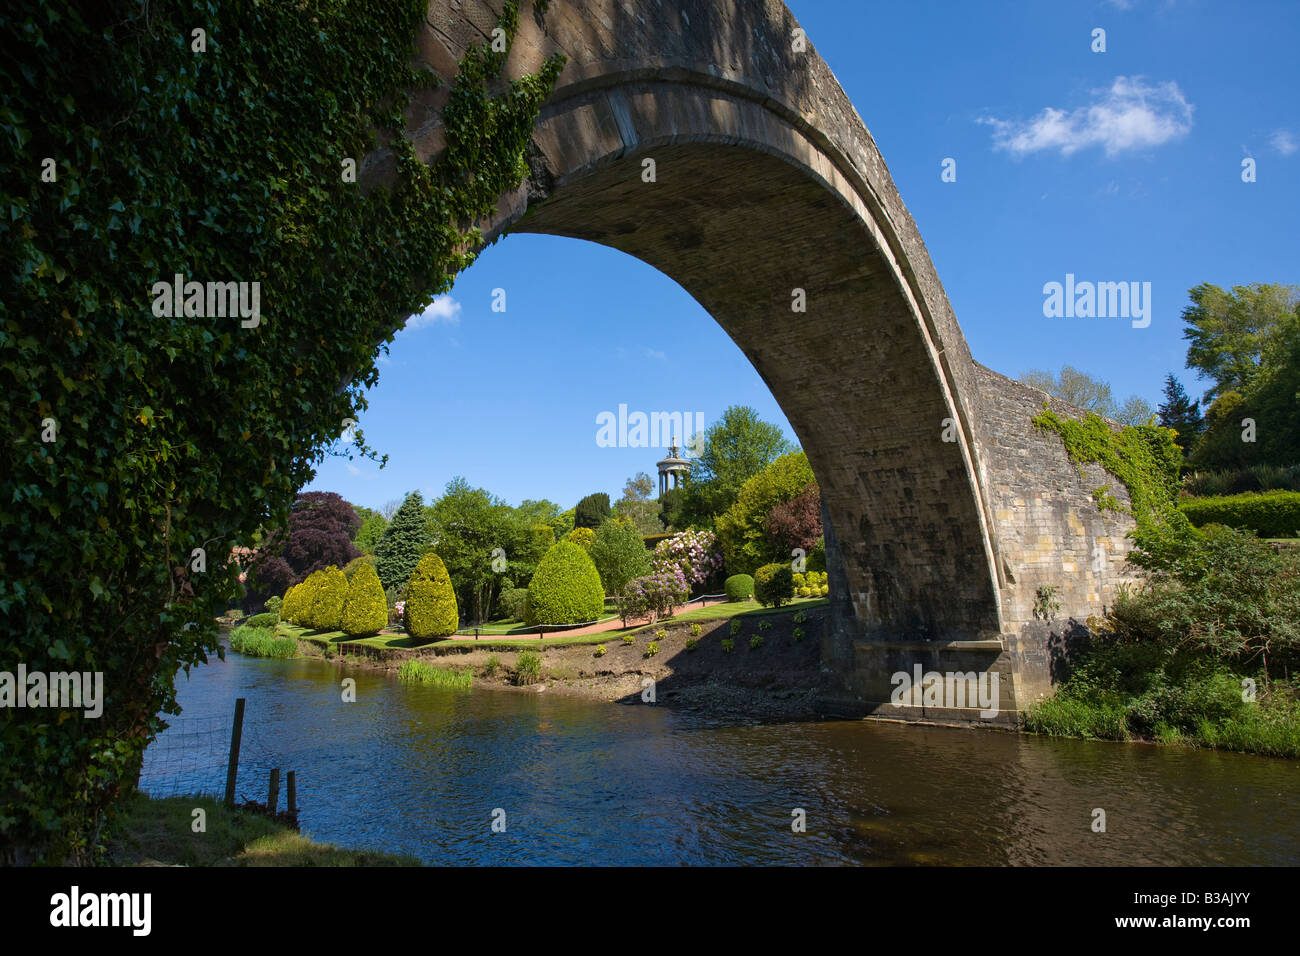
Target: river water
425,771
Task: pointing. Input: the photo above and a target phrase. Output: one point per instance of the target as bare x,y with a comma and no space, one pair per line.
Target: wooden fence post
293,793
273,796
232,764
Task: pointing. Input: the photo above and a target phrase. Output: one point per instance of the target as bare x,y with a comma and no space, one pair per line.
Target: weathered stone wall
766,182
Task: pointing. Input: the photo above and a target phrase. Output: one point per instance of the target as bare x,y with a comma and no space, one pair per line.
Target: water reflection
422,770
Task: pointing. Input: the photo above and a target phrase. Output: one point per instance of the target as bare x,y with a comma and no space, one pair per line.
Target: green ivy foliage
1145,458
176,433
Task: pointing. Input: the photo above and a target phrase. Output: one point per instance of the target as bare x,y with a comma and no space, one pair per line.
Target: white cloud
1284,142
442,309
654,353
1130,115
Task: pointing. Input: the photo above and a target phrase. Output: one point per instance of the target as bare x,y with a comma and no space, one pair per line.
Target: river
424,771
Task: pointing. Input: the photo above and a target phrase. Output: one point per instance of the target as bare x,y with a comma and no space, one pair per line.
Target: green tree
1234,335
372,529
1090,394
474,532
1182,414
403,542
619,554
591,511
637,506
742,531
732,450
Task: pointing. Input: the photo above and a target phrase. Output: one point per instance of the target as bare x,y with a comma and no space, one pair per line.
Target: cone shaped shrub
431,609
566,587
366,610
327,602
289,606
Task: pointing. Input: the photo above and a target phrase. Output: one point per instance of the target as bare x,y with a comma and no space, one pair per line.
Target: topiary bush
566,588
739,587
273,604
430,608
262,620
351,567
774,584
365,611
327,602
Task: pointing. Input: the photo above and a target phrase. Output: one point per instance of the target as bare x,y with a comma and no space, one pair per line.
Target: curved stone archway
946,511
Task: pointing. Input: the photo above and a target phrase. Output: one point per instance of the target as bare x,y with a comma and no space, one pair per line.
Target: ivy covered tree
403,543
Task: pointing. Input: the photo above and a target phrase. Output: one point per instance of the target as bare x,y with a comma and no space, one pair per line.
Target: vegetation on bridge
212,141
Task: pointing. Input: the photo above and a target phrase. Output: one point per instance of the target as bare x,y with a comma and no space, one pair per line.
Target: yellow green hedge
366,609
431,609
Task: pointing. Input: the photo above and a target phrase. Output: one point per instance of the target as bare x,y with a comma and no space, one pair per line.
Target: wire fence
191,758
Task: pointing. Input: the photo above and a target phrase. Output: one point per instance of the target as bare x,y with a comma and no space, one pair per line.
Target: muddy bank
780,679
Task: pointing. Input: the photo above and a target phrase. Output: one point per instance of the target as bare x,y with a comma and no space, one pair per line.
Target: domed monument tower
674,468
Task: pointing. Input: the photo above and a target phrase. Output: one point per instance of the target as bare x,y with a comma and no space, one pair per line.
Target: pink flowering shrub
653,596
694,553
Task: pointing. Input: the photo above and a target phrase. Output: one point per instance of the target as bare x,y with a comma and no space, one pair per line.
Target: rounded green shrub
365,611
431,609
262,620
327,602
739,587
273,605
774,584
800,580
566,587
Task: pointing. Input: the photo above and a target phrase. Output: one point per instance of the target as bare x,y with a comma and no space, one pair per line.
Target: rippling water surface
421,770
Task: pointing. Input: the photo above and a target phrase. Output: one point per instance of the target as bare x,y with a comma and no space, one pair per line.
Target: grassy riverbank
152,832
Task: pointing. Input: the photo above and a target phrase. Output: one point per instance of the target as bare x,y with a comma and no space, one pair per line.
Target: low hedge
263,620
1271,514
739,587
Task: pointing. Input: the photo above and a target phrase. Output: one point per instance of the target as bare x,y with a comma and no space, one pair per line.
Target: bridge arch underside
743,211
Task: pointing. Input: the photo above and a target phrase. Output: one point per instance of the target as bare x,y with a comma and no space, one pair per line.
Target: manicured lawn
726,609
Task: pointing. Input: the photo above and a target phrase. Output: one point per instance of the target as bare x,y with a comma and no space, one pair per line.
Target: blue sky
1117,166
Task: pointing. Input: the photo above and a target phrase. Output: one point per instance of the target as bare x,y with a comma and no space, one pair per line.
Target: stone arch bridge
766,181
